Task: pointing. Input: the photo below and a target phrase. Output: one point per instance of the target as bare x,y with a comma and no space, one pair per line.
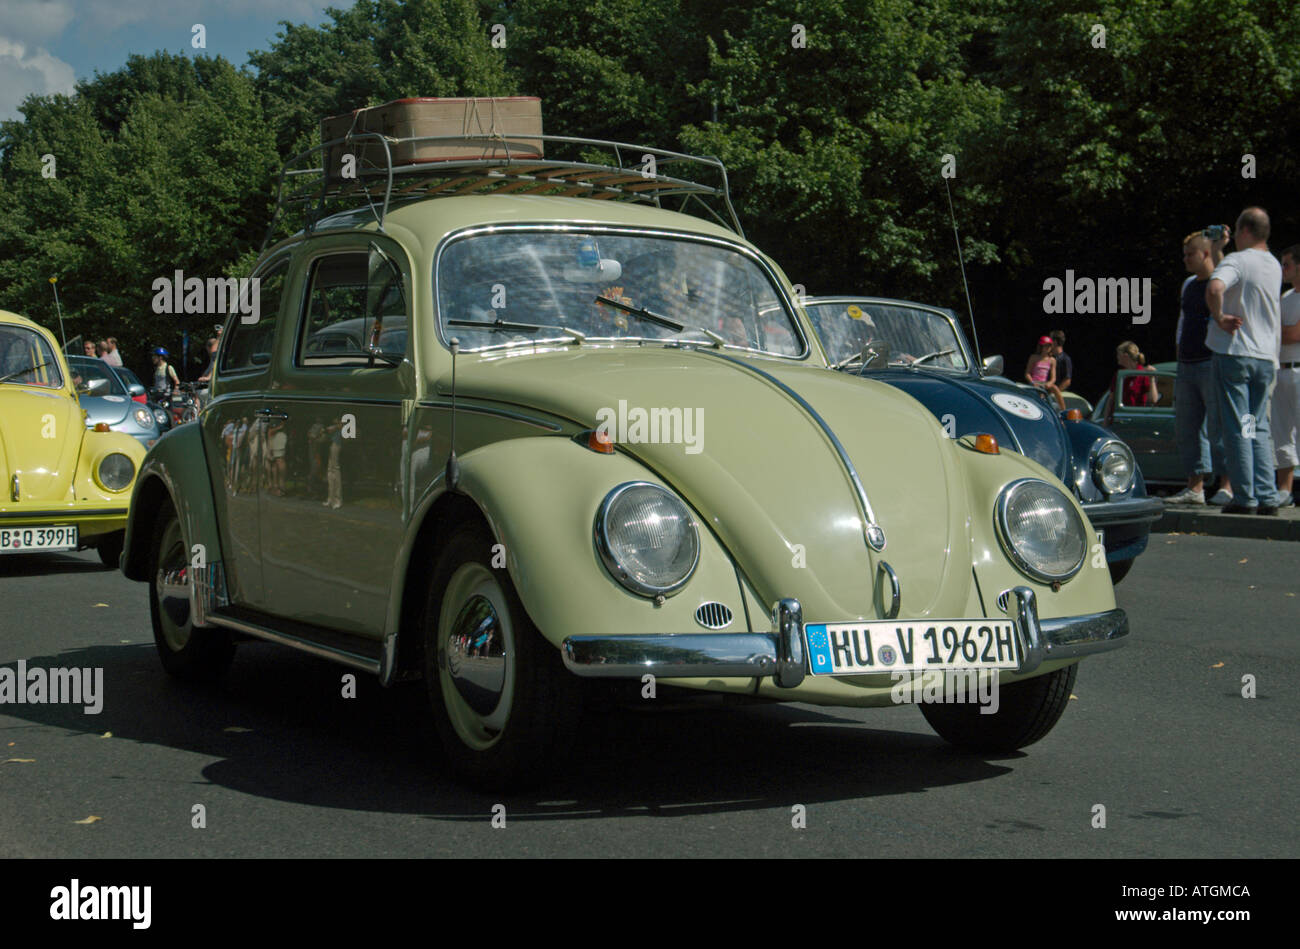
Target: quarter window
247,346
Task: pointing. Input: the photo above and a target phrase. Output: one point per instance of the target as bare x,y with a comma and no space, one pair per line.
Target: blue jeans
1244,386
1196,420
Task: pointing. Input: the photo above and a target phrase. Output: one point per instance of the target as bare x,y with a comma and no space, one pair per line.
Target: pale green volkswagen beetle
637,463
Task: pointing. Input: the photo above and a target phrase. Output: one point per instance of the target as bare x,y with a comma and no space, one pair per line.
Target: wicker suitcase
490,124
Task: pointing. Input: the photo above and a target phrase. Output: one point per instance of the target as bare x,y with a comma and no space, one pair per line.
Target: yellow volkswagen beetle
65,486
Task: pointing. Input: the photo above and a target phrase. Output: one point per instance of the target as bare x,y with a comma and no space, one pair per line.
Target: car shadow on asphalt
283,730
42,565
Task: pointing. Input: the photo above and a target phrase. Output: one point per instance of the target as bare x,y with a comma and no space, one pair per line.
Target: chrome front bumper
780,654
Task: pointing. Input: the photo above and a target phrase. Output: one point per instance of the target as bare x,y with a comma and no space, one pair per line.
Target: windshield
84,370
26,358
912,333
542,284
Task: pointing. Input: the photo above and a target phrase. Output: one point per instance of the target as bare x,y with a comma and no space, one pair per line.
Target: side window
356,303
248,345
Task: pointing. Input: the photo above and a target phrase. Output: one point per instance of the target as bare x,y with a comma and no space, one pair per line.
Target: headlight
115,472
1041,530
647,539
144,418
1113,467
160,416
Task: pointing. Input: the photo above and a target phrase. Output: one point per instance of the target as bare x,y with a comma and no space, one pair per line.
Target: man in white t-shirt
1244,299
1286,394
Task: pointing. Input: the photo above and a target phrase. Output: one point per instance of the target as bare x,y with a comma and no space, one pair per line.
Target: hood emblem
876,537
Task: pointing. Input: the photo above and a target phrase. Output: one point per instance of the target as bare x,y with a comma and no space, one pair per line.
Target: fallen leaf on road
1217,665
101,604
1252,586
19,760
236,728
106,735
1243,560
1290,594
89,820
1073,696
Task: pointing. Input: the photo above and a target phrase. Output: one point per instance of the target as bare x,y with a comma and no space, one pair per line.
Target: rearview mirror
993,365
607,271
94,387
875,353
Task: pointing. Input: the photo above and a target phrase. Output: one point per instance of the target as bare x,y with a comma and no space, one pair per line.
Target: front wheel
1119,570
1026,711
505,707
189,652
110,549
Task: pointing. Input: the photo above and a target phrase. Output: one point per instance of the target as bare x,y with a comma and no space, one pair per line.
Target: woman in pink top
1041,369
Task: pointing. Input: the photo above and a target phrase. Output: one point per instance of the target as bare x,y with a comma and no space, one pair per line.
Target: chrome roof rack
378,184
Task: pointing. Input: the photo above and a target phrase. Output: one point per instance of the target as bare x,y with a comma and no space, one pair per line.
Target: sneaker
1234,508
1268,510
1285,500
1187,496
1221,497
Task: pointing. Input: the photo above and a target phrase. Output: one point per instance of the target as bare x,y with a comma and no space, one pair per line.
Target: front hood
1017,416
40,439
109,409
761,472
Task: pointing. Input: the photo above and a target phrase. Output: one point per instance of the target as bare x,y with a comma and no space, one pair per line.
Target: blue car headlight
1113,467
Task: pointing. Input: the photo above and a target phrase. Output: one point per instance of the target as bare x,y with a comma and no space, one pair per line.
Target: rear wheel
189,652
504,705
1026,712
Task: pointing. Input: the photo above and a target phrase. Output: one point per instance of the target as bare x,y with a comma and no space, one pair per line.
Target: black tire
110,549
1026,712
188,652
526,724
1119,570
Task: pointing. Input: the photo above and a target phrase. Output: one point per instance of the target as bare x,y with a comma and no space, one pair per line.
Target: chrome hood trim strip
870,528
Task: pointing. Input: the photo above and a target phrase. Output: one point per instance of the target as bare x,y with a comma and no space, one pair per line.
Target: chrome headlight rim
1008,546
160,417
144,418
607,556
99,472
1112,446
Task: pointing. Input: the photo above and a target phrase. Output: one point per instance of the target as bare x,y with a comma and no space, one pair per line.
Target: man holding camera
1243,297
1196,406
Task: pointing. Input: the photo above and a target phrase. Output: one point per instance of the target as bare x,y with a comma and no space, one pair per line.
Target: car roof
430,219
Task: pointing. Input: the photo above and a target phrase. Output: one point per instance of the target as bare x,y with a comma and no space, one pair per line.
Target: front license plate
15,540
891,646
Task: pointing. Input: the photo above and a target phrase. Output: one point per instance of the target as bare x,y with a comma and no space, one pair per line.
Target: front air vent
713,616
1004,598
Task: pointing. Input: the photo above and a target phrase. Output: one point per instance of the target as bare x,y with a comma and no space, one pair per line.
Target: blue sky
47,45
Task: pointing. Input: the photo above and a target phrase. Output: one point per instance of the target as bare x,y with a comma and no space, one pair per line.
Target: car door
1149,429
232,433
334,425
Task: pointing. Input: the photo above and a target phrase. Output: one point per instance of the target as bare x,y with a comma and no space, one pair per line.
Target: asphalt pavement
275,762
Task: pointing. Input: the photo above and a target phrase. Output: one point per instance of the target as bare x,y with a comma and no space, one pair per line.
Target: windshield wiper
21,372
508,326
650,316
843,363
933,355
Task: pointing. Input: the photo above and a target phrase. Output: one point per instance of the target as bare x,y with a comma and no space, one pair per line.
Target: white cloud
24,70
34,21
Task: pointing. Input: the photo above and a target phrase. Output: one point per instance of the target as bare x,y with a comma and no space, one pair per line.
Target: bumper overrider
781,654
1131,511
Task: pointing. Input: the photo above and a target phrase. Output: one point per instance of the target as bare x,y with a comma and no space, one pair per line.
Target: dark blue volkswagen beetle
922,350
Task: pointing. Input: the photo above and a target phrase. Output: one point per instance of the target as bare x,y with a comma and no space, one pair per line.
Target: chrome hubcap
172,590
476,655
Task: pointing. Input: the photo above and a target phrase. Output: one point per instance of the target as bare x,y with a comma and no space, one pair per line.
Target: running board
347,650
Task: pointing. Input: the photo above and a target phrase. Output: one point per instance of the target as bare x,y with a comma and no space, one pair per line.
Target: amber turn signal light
102,427
595,440
987,444
1074,415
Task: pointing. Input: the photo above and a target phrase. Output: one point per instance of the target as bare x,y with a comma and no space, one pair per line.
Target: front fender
540,496
175,470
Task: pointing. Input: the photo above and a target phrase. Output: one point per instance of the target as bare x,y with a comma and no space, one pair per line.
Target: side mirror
993,366
135,389
93,387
